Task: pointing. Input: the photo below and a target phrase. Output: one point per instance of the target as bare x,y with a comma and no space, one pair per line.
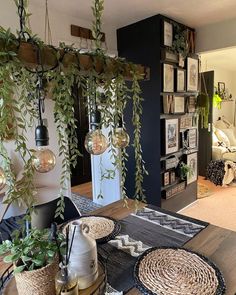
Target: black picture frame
178,104
166,178
192,74
171,136
192,138
168,78
180,80
221,87
193,164
191,103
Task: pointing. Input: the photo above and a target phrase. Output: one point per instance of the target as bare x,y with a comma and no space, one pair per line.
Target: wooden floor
84,190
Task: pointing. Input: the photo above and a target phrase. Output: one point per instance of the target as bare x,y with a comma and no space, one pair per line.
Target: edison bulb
95,142
44,160
120,138
2,179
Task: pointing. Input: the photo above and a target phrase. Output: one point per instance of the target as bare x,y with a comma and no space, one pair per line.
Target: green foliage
31,252
185,170
180,44
97,8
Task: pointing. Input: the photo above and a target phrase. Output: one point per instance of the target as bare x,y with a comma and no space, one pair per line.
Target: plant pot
37,282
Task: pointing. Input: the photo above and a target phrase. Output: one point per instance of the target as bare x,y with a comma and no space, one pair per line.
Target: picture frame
192,74
169,56
221,87
168,78
175,190
171,162
186,122
167,101
191,104
192,163
179,105
167,34
166,178
172,177
180,80
192,138
171,136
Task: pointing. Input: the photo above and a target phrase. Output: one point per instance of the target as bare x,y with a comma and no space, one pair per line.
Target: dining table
216,243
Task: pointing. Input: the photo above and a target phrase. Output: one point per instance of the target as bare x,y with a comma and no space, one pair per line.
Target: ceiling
119,13
223,59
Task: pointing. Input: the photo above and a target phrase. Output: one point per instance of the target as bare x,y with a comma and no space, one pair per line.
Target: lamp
2,179
120,138
44,159
95,142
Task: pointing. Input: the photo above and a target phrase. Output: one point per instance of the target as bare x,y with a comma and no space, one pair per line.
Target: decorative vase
37,282
83,258
66,281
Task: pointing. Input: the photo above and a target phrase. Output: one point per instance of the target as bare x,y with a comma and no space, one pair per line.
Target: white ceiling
119,13
223,59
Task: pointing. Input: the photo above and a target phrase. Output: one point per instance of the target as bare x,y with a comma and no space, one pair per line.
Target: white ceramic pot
83,258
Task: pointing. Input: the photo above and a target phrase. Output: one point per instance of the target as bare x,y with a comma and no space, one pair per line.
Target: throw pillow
222,137
231,136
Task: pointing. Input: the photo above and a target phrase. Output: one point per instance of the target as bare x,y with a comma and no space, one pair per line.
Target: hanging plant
180,42
64,67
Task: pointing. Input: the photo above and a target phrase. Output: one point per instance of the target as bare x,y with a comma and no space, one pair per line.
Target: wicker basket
37,282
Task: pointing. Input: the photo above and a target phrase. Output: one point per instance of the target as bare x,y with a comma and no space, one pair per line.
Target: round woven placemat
171,271
101,228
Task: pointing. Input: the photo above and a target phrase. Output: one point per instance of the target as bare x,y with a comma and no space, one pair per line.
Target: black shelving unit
141,43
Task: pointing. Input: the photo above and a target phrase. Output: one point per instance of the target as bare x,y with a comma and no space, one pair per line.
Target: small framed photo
191,104
192,163
181,61
186,122
179,104
192,74
168,100
221,87
171,136
192,138
166,178
180,80
168,78
172,177
167,34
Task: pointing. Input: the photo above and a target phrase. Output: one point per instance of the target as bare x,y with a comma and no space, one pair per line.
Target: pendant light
44,159
95,142
120,138
3,179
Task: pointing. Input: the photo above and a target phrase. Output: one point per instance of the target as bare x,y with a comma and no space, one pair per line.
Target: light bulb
44,160
2,179
95,142
120,138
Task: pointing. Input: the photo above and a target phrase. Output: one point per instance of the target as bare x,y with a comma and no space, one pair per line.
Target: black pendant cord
23,34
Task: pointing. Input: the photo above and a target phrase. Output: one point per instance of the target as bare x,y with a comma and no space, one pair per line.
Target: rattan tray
98,288
102,228
171,271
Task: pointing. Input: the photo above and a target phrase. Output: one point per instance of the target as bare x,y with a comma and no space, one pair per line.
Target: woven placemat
101,228
171,271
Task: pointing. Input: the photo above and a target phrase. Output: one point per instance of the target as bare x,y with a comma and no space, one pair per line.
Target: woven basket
38,282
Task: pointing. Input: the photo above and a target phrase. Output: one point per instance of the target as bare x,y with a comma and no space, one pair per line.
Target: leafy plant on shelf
184,170
18,96
34,251
180,43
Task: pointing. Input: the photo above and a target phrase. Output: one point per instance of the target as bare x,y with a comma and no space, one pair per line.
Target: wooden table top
216,243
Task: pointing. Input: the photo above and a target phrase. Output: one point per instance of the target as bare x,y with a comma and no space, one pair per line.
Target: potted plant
35,260
184,171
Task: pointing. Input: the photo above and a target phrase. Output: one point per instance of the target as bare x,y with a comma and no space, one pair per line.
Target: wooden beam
84,33
27,54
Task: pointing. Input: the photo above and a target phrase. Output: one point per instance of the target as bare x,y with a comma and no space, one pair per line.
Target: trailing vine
18,88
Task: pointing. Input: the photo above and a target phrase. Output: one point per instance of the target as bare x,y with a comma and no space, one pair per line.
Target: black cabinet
142,43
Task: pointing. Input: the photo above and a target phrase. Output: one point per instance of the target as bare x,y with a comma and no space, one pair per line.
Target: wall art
168,34
168,78
192,74
179,105
168,107
192,163
166,178
171,136
191,104
180,80
192,138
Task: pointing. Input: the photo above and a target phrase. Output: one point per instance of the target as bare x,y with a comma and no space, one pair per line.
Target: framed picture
171,136
178,188
181,61
179,105
191,104
186,122
171,162
192,163
168,103
168,78
195,120
180,80
192,74
172,177
221,87
167,34
166,178
169,56
192,138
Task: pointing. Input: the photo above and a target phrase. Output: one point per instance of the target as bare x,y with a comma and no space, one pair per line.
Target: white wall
216,36
222,75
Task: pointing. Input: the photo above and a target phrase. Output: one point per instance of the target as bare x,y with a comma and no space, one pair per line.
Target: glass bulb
2,179
95,142
120,138
44,160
